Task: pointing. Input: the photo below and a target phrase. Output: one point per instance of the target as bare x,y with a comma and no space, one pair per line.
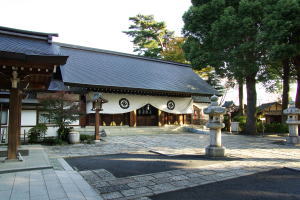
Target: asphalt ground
124,165
279,184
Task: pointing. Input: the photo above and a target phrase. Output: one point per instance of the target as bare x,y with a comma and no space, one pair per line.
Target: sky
99,23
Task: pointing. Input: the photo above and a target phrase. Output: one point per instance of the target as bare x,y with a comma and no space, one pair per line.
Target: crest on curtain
170,105
124,103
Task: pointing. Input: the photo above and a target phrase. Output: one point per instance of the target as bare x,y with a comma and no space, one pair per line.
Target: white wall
28,117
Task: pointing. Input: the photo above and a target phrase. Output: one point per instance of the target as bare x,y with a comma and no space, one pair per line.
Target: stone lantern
215,124
292,121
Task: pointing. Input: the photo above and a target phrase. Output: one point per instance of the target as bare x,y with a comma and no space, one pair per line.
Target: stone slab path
45,184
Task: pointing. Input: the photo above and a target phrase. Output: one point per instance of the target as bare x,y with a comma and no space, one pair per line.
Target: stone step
117,130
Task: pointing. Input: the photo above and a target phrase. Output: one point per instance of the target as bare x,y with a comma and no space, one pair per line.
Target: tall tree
150,37
280,29
174,51
225,34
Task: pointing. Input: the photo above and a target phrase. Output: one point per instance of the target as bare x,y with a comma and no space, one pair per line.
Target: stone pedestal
293,140
212,151
215,112
293,123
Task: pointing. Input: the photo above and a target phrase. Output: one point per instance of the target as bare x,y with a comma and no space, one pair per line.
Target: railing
4,136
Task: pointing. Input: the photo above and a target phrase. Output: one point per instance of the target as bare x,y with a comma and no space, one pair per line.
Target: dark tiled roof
27,43
94,67
228,104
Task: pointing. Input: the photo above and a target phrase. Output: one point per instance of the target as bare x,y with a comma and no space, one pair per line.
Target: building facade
140,91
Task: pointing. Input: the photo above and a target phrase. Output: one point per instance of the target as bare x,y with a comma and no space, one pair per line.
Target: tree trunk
241,98
251,105
286,87
296,61
297,66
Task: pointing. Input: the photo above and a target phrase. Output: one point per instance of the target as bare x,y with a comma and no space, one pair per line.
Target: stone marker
215,112
292,121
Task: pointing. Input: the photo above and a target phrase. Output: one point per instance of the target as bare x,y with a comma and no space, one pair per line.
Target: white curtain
183,105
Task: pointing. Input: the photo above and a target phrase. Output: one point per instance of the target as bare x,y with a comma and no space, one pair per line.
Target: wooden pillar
13,126
180,119
97,120
19,118
161,118
82,120
132,118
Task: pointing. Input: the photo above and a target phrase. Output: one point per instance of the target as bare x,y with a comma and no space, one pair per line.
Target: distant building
271,111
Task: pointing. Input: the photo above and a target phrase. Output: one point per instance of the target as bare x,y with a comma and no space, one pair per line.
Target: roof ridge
28,34
119,54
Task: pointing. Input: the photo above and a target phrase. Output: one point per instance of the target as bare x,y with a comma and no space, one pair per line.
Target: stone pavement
45,185
257,154
37,159
29,180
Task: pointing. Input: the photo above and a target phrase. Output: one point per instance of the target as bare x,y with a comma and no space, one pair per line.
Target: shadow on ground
123,165
273,185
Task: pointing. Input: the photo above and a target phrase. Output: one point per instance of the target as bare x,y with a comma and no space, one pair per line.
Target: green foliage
64,132
84,137
241,120
36,133
211,77
52,141
276,128
149,36
62,111
174,51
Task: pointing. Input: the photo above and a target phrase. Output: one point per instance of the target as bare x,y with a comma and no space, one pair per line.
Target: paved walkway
257,154
45,185
37,159
29,180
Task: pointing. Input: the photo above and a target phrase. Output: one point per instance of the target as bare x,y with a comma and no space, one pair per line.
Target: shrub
241,120
63,132
52,141
276,128
84,137
36,132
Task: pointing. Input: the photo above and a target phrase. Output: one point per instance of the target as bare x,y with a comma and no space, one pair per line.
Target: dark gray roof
27,42
201,99
228,104
94,67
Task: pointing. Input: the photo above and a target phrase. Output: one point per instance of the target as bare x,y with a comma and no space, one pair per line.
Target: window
44,118
3,117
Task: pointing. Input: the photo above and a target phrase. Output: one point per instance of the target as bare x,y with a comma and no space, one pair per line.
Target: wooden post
82,120
13,126
97,119
19,118
180,119
161,118
133,118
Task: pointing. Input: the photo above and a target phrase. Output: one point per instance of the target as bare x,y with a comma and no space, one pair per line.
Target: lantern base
213,151
293,140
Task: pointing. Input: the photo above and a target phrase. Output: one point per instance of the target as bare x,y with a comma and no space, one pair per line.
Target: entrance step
126,130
